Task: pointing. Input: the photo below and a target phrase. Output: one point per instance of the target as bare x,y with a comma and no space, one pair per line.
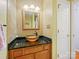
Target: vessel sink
32,38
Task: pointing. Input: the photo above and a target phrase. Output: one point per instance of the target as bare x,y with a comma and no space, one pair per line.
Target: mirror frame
23,17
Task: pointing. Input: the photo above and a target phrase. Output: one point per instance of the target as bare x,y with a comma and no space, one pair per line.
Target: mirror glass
30,20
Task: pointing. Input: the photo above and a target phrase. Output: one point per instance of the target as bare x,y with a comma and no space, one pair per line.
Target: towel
2,38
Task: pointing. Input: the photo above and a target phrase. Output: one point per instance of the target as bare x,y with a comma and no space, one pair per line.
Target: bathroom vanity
41,49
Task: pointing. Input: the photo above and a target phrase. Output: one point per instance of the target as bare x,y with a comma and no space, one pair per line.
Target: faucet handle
36,33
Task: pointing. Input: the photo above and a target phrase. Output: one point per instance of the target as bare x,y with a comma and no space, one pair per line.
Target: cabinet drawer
10,55
17,52
42,55
32,49
47,46
31,56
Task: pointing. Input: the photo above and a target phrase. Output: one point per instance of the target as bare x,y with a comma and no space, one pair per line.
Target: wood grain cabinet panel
10,54
33,49
47,46
42,55
38,48
34,52
30,56
17,52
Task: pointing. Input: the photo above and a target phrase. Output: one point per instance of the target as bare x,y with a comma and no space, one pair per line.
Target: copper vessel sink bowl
32,38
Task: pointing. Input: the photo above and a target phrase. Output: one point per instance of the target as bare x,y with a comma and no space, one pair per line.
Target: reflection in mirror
30,18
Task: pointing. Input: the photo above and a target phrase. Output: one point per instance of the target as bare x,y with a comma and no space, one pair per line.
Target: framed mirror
30,20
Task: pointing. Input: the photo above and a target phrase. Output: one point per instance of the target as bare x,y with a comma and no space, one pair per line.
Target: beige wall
47,18
20,4
54,24
49,23
12,28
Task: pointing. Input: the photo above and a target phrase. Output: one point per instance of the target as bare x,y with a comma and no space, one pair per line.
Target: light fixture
31,8
37,8
25,7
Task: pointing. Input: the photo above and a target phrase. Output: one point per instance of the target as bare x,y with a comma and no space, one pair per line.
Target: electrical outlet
48,26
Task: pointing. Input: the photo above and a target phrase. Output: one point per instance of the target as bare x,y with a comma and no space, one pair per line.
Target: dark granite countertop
21,42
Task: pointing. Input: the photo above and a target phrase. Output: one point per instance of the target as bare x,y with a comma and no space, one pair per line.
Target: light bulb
37,8
32,6
25,7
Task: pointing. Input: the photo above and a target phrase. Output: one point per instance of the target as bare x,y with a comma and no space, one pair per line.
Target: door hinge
58,56
58,31
59,5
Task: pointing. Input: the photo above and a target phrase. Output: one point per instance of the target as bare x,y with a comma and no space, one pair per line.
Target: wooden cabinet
34,52
77,55
30,56
17,52
42,55
33,49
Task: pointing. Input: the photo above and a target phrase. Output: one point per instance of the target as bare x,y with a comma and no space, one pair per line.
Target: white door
3,13
75,27
63,27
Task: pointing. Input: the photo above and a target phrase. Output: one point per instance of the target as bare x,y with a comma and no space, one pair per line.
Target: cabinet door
42,55
30,56
63,26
